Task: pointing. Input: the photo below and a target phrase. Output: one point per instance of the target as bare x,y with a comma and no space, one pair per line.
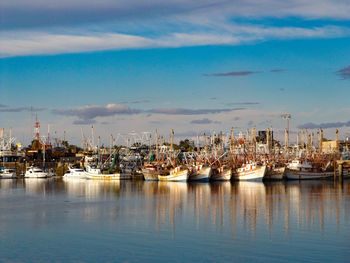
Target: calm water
51,220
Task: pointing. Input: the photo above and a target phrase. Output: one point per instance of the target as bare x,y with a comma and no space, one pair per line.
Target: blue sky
189,65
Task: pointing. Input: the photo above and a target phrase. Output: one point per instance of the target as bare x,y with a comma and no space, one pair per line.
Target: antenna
31,121
287,117
48,135
37,131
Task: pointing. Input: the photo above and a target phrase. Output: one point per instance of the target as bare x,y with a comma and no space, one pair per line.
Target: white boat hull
201,175
150,175
225,175
74,176
304,175
36,175
94,176
252,175
180,176
8,175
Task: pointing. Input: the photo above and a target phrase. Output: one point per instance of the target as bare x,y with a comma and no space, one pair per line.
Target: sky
191,66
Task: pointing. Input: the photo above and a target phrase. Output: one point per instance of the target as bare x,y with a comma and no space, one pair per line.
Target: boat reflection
272,206
91,189
252,206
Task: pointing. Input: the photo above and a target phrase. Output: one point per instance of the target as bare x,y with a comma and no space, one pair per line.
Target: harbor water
56,220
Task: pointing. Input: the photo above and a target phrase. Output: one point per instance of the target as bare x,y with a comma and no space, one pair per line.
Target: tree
186,145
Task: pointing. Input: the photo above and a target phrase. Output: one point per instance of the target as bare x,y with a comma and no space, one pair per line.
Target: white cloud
40,27
21,43
34,43
18,13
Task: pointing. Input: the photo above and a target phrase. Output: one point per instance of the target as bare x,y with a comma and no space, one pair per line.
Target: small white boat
200,173
223,173
74,173
251,172
35,172
8,173
303,170
176,174
95,173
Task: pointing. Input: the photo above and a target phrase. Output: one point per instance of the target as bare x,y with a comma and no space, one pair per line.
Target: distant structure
334,146
286,133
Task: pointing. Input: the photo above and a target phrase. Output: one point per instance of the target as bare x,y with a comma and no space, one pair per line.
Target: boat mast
157,154
98,151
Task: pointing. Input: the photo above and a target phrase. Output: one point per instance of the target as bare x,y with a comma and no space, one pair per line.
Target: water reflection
275,206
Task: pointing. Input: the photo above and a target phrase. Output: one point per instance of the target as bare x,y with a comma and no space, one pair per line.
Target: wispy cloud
84,122
277,70
232,74
344,72
183,111
36,13
242,103
139,101
135,102
39,42
42,27
5,108
90,112
311,125
204,121
243,73
34,43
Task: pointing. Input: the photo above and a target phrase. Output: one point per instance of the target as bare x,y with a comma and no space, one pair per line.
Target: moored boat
223,173
35,172
7,173
250,172
304,170
176,174
74,173
150,172
275,172
200,173
95,173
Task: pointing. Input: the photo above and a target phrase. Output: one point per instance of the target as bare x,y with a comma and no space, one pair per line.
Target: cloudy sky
189,65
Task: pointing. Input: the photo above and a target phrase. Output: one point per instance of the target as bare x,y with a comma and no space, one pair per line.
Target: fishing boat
176,174
8,173
200,172
304,170
223,173
250,172
35,172
95,173
275,172
151,171
74,173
